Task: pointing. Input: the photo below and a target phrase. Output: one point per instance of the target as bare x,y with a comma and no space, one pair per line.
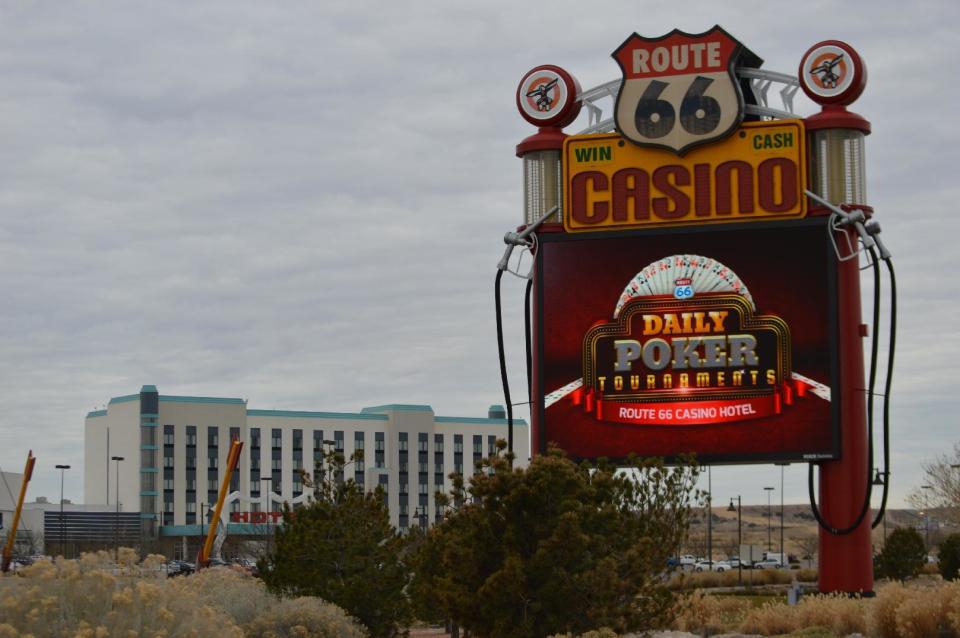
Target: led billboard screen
716,341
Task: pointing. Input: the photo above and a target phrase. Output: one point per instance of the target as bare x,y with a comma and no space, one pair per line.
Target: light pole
783,553
709,519
62,535
879,482
268,480
926,520
739,539
116,525
769,518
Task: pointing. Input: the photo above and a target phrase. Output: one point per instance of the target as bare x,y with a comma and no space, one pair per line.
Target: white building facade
174,450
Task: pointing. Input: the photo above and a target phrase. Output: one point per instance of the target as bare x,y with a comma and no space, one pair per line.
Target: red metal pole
846,563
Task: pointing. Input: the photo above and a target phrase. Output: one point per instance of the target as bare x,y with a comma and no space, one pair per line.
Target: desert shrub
239,596
882,619
913,612
807,575
700,612
706,580
903,555
839,614
79,598
304,618
950,557
604,632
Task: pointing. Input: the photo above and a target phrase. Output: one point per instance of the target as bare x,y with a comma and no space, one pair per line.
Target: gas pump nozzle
854,218
512,239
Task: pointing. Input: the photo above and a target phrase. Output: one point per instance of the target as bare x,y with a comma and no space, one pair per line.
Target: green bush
903,556
556,548
950,557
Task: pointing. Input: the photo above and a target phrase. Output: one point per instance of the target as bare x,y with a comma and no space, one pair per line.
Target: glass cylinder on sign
837,165
541,185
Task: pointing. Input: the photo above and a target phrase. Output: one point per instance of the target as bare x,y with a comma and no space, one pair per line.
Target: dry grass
94,598
700,612
840,614
706,580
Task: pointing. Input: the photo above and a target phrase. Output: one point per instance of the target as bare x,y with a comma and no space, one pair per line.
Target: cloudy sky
302,204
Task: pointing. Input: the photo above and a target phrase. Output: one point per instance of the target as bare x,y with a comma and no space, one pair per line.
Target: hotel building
174,450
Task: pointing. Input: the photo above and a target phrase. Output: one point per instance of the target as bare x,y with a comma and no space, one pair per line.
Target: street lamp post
769,519
739,539
116,525
268,480
62,535
709,519
926,519
878,480
783,552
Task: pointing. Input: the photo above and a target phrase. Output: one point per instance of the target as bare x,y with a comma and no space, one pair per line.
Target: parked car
735,563
713,566
673,561
767,563
688,559
180,568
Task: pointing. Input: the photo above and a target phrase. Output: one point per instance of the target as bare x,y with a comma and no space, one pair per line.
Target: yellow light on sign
756,174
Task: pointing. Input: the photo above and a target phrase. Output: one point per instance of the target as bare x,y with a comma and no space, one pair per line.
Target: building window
422,442
212,462
191,436
275,439
491,446
168,435
378,441
298,439
191,484
458,444
168,484
403,467
338,441
438,443
276,465
403,442
255,438
167,461
191,508
438,480
213,436
403,488
424,488
478,445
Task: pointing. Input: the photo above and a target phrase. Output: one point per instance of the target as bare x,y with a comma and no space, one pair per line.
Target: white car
715,566
768,563
688,559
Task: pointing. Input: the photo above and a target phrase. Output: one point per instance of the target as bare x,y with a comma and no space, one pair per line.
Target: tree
903,554
950,557
556,547
941,486
809,545
342,548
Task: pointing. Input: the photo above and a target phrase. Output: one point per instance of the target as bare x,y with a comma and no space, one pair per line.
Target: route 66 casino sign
679,90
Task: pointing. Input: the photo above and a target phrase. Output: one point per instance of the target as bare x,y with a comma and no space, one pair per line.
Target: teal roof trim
149,470
148,493
475,421
165,398
148,388
125,399
246,529
294,414
96,413
398,407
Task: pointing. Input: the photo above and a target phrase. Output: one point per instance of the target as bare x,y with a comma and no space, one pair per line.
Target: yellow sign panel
756,174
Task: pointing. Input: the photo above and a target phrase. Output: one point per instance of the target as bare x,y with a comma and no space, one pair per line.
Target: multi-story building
174,450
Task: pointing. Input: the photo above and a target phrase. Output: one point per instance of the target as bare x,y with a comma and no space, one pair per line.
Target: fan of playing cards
683,276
